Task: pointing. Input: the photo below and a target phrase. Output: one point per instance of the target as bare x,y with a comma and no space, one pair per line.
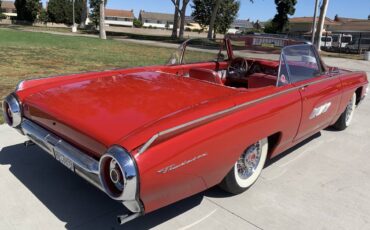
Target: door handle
303,88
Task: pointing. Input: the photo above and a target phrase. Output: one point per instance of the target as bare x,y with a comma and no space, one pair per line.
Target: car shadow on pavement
82,206
74,201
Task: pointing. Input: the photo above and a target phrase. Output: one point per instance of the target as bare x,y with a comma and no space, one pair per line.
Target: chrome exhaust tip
127,217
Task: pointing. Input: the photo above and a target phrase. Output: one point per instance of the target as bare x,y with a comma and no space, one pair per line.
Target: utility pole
74,28
314,23
323,9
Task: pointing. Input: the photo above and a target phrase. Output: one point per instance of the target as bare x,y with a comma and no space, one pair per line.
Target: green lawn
28,54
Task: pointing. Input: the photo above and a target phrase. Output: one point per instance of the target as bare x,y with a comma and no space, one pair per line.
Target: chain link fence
349,43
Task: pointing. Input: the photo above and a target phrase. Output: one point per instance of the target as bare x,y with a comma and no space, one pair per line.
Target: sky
259,10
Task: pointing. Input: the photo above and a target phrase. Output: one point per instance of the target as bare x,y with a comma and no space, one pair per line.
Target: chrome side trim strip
220,113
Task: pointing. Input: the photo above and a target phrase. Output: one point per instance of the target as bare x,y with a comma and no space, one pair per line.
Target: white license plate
64,160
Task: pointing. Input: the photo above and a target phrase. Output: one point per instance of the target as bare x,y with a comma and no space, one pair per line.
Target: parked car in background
151,136
326,42
358,45
341,40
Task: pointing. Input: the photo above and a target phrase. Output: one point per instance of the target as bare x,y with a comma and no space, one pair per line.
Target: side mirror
333,70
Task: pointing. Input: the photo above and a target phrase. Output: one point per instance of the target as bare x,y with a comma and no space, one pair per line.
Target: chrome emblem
176,166
320,110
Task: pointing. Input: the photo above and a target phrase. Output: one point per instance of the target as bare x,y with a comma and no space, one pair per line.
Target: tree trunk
102,21
83,14
320,25
175,19
213,19
182,18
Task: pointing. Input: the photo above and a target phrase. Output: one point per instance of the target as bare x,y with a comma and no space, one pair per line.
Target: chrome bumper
83,165
75,160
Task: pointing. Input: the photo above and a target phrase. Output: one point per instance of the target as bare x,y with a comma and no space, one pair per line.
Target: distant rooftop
119,13
156,16
242,24
7,5
328,21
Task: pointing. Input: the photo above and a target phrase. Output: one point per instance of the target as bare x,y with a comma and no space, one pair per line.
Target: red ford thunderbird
151,136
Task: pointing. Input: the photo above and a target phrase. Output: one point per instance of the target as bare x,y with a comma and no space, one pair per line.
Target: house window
159,22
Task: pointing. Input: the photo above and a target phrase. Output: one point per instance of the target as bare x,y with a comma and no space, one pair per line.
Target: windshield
346,39
263,47
326,39
200,50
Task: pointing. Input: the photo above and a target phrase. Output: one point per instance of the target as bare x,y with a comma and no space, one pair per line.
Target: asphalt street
323,183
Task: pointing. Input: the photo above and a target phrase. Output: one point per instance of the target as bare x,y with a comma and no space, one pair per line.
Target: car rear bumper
76,161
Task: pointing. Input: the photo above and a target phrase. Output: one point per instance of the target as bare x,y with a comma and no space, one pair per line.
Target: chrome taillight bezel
128,170
12,111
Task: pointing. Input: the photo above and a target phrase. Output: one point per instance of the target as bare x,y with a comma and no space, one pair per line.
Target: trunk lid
96,113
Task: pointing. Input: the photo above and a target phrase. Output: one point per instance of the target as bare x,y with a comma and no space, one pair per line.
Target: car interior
239,73
212,65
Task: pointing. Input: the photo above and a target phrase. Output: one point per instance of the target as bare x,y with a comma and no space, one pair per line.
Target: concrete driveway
323,183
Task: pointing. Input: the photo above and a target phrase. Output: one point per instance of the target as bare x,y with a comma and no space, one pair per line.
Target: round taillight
118,174
12,111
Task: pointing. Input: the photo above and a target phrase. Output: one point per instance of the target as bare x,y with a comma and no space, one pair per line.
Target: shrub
137,23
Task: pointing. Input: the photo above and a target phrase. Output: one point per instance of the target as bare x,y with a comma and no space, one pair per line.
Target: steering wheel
238,67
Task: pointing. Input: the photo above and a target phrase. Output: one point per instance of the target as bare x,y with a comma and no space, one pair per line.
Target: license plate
64,160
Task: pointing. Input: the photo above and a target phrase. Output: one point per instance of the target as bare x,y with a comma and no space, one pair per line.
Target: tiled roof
328,21
242,24
7,5
342,19
119,13
361,26
156,16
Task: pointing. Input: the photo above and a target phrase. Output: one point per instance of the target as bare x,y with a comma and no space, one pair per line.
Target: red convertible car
151,136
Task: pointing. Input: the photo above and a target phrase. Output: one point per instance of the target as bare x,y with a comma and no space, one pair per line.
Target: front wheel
346,117
246,169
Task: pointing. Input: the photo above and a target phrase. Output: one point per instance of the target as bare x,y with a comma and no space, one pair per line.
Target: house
8,9
303,25
119,17
351,25
156,20
190,24
239,26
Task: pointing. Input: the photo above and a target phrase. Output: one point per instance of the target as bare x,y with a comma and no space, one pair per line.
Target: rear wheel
247,168
346,118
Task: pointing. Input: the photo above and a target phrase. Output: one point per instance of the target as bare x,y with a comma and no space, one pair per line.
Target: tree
137,23
213,18
83,13
203,10
95,11
27,10
182,18
43,17
281,20
320,25
2,16
102,21
175,18
61,11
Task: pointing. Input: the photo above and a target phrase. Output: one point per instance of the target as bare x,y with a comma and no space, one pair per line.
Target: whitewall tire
346,117
247,169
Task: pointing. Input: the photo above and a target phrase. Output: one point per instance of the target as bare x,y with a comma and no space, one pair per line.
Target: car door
319,91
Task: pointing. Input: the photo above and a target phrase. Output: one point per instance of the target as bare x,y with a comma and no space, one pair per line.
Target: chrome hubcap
249,160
